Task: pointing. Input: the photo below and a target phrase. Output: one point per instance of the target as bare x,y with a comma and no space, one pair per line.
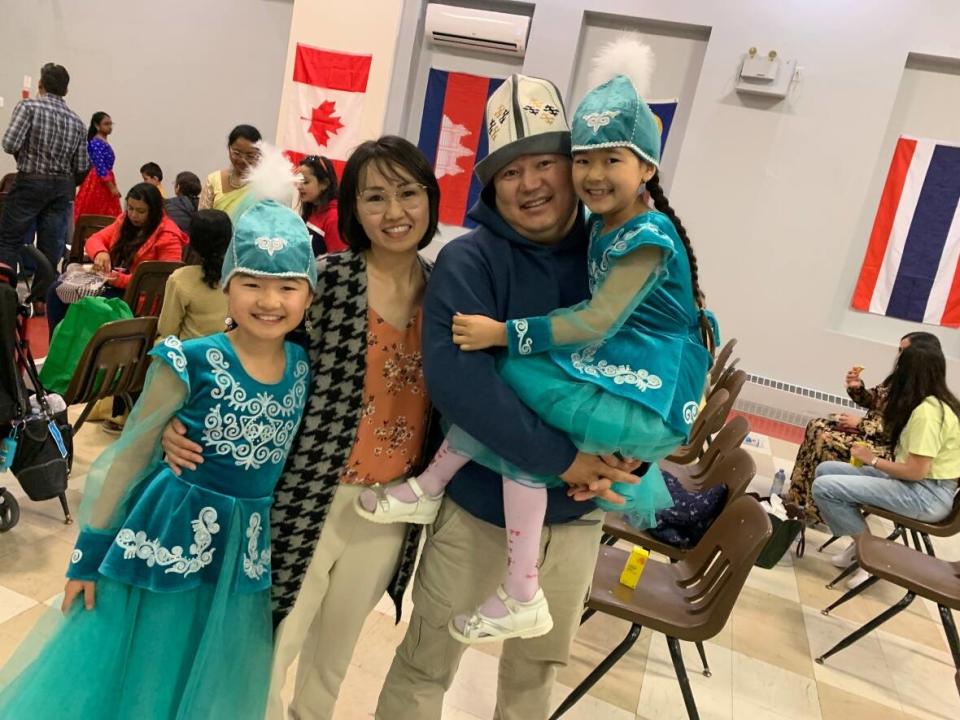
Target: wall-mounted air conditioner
482,30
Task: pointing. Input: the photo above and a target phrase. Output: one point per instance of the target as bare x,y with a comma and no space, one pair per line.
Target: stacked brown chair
144,294
687,600
720,364
731,436
708,422
86,226
111,364
920,575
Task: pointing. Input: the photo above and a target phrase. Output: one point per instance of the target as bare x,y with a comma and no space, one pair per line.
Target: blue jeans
839,489
44,202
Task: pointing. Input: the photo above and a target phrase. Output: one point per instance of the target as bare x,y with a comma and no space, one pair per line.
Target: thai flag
910,268
453,137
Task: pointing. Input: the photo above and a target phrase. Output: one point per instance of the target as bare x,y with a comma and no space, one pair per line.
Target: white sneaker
391,510
843,559
523,620
858,577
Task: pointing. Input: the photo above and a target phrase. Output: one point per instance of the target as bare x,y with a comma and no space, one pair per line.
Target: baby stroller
36,439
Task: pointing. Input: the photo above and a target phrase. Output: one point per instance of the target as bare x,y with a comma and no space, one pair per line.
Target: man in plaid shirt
49,143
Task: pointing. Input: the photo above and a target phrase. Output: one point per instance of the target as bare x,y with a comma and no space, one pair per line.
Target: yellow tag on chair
634,567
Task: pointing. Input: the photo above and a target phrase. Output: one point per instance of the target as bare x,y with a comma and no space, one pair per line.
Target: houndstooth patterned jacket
337,348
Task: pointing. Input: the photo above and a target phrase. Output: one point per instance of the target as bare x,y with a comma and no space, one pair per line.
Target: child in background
151,173
193,303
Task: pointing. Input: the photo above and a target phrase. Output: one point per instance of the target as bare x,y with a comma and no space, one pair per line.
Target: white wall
778,198
175,75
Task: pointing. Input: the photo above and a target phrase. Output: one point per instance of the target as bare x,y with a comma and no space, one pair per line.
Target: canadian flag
323,117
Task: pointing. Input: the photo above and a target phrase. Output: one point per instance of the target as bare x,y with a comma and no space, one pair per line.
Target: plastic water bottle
778,480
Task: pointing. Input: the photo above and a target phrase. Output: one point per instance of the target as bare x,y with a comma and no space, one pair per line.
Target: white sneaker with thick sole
391,510
858,577
844,558
523,620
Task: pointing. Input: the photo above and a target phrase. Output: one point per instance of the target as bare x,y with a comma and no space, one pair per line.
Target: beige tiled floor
762,661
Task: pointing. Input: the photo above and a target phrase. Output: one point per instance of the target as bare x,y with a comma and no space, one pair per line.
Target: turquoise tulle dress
621,372
181,627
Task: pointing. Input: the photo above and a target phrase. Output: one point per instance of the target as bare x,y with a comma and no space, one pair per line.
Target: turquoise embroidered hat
270,240
614,113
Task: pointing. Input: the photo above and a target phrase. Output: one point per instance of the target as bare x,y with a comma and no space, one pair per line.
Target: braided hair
661,203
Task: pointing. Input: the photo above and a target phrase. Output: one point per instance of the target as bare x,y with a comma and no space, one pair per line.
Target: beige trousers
463,561
349,573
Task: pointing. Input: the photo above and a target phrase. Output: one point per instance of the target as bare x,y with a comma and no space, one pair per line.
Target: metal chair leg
928,544
677,656
608,539
703,659
587,614
916,540
67,517
950,628
850,594
898,531
598,672
869,627
828,543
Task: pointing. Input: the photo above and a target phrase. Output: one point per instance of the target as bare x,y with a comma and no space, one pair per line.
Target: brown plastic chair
708,422
732,381
735,470
730,436
948,527
687,600
720,364
86,226
919,574
144,294
112,364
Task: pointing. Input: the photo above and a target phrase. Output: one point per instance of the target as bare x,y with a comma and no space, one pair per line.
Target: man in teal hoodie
527,256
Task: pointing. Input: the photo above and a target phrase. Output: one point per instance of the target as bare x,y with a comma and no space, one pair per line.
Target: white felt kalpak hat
525,116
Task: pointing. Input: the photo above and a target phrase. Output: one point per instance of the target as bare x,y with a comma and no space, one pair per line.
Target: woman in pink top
142,233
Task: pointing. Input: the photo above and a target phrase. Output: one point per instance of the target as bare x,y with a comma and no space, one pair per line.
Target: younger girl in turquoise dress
622,373
167,602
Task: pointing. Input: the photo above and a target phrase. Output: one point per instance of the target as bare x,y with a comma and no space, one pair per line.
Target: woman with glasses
224,189
318,204
366,422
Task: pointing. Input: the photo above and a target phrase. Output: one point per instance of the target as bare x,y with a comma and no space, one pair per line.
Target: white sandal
523,620
391,510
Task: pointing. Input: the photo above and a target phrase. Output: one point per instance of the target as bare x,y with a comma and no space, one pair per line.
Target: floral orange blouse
395,405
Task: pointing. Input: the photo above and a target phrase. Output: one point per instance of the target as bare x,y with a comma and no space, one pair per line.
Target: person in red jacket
141,233
318,198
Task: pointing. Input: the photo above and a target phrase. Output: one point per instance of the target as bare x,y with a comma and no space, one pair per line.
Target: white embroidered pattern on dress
255,563
620,374
175,354
136,546
76,556
524,344
253,430
690,412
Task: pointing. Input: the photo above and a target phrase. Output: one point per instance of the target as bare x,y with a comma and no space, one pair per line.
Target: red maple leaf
323,122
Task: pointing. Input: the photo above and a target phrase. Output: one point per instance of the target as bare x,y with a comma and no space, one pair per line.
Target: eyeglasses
410,197
250,157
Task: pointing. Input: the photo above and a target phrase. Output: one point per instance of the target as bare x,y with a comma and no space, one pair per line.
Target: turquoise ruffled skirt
201,653
598,422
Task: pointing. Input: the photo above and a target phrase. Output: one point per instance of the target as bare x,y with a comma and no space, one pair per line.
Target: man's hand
181,452
478,332
589,477
75,588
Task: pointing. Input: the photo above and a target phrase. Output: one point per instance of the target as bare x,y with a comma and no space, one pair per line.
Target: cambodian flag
910,268
453,138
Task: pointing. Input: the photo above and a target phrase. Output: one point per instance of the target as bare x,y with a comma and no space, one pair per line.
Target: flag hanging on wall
910,267
323,116
663,110
453,138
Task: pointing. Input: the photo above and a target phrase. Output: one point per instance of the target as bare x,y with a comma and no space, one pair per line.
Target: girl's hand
101,262
862,453
853,377
74,588
478,332
848,422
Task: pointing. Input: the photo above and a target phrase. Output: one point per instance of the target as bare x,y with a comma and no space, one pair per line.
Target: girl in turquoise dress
621,373
166,611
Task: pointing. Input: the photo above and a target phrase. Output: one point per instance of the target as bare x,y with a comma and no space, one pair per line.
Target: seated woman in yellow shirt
922,418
